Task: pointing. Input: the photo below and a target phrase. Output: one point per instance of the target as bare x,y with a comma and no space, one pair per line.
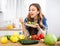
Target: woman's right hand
21,21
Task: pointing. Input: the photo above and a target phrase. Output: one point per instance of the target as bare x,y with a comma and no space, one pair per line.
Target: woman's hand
23,26
38,27
21,21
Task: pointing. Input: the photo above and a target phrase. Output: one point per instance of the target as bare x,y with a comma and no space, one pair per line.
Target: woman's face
33,11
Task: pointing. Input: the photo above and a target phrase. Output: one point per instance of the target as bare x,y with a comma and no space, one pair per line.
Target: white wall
18,8
53,16
0,4
8,7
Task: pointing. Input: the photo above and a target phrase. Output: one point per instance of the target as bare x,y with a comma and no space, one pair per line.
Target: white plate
30,25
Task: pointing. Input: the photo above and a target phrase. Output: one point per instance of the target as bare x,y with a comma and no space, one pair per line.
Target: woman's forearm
38,28
25,32
23,27
41,30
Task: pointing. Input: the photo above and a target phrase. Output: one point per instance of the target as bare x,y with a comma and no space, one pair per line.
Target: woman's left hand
38,27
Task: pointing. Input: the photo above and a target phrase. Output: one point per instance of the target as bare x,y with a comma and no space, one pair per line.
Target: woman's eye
33,10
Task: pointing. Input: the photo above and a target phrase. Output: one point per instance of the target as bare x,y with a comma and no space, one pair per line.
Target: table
19,44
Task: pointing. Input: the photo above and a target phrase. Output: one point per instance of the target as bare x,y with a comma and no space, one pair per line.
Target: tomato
34,37
38,38
41,36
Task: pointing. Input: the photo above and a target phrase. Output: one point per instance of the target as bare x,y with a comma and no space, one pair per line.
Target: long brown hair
40,15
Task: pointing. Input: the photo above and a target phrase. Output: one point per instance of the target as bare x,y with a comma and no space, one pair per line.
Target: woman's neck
35,18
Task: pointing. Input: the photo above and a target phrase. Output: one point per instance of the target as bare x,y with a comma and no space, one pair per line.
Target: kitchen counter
14,29
5,31
19,44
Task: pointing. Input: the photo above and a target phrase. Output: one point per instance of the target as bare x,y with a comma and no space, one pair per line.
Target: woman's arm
45,23
25,32
43,27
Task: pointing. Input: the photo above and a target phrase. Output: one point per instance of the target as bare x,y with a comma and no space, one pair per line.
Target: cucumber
28,42
8,37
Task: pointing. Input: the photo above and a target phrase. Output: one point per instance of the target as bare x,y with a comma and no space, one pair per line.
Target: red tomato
41,36
34,37
38,38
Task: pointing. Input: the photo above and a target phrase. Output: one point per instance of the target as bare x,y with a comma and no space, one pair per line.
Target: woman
34,15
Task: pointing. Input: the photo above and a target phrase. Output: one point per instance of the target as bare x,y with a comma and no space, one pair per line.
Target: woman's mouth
31,14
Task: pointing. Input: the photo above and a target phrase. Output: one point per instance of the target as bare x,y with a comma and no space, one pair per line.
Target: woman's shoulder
44,18
25,20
